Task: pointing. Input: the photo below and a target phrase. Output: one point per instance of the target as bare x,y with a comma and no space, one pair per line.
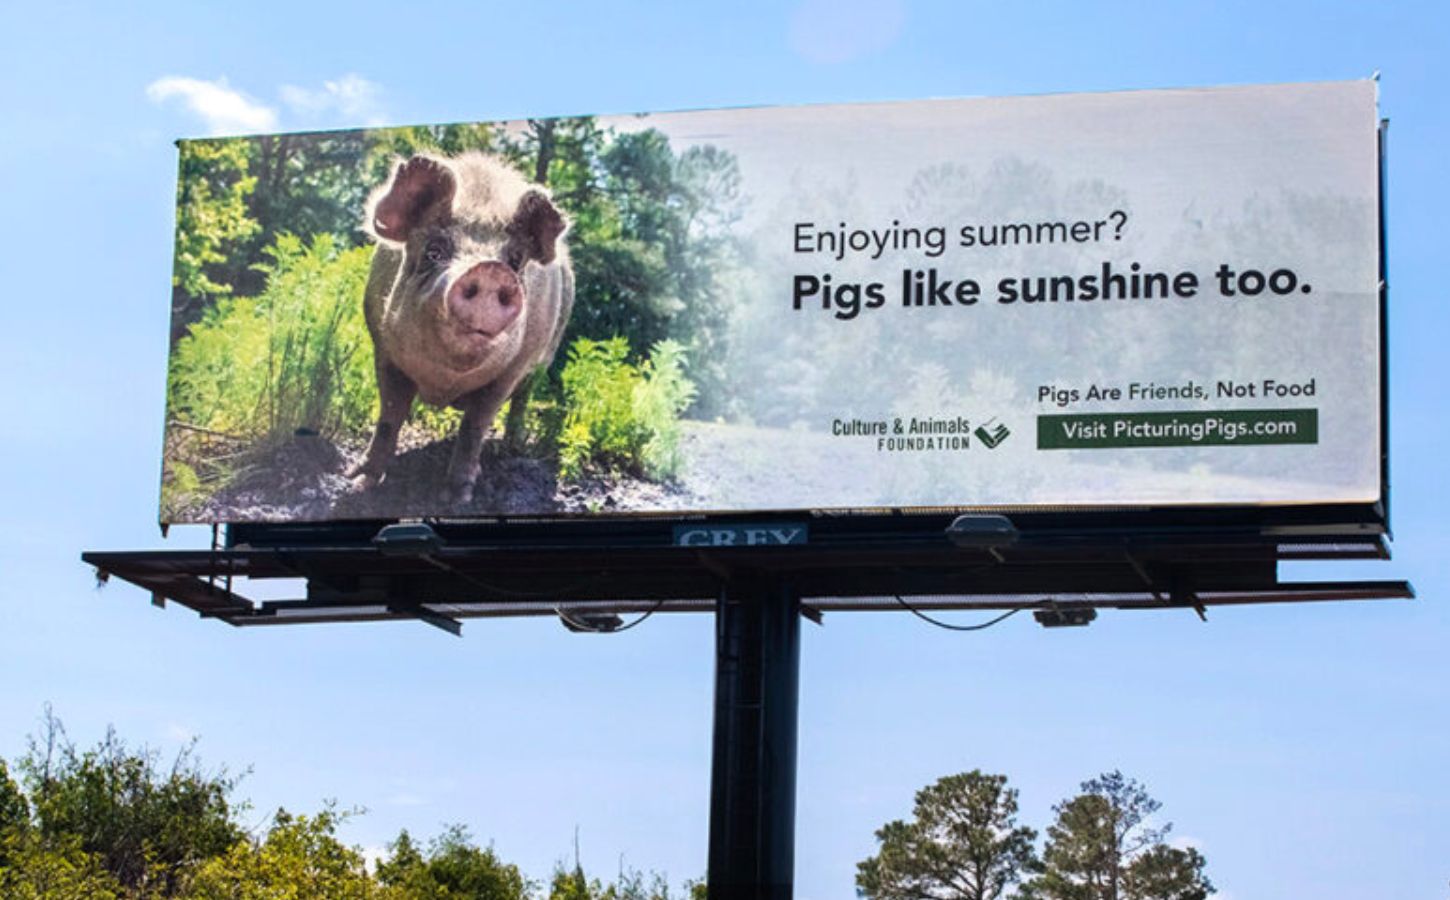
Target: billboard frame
1266,518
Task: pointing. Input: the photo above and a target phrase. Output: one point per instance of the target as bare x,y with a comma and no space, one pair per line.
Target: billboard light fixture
1056,617
407,539
589,623
581,622
986,532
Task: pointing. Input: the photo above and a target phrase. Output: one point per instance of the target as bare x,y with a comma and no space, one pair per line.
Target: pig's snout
486,299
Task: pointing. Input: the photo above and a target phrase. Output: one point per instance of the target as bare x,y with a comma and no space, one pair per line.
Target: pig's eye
514,258
436,251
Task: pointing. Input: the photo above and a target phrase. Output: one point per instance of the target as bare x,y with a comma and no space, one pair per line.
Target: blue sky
1302,749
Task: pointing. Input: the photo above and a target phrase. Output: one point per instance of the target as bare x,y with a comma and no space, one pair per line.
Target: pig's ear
421,191
535,227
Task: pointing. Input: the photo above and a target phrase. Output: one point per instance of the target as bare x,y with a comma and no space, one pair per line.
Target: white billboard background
1264,178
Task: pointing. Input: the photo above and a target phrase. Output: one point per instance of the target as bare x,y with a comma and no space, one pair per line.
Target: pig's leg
513,430
479,410
395,391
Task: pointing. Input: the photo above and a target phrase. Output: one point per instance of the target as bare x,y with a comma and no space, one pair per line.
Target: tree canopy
112,822
964,844
1103,846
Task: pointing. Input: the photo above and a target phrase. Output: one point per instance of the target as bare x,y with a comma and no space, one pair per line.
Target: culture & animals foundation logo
992,435
931,435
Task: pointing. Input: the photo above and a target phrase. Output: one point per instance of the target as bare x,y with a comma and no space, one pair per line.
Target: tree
300,857
148,825
36,869
14,819
14,811
1102,848
571,884
32,867
454,868
236,196
633,884
1167,873
307,184
962,844
213,223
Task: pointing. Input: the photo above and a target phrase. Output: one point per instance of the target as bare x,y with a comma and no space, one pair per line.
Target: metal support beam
752,781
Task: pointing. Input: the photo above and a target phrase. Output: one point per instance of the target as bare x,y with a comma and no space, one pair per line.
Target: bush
111,823
35,869
452,867
118,809
296,356
621,416
300,856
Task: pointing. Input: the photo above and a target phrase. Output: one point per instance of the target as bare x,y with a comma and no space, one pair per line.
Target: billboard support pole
752,778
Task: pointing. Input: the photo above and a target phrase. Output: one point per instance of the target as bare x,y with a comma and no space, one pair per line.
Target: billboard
1137,299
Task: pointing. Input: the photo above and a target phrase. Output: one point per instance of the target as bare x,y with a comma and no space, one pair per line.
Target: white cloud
351,98
832,31
223,109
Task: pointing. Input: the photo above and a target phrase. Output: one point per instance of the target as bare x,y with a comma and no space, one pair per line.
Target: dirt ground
304,480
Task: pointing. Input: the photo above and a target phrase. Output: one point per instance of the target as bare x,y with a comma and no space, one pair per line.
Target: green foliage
570,884
14,810
300,857
1167,873
236,196
636,885
1102,848
145,824
212,216
453,869
36,869
632,884
621,416
649,240
296,356
309,184
388,146
180,485
963,843
111,823
14,820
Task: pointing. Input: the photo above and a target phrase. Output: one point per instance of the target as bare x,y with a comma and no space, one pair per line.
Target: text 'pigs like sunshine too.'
929,288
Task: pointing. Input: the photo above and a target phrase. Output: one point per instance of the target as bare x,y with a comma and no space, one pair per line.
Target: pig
469,293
